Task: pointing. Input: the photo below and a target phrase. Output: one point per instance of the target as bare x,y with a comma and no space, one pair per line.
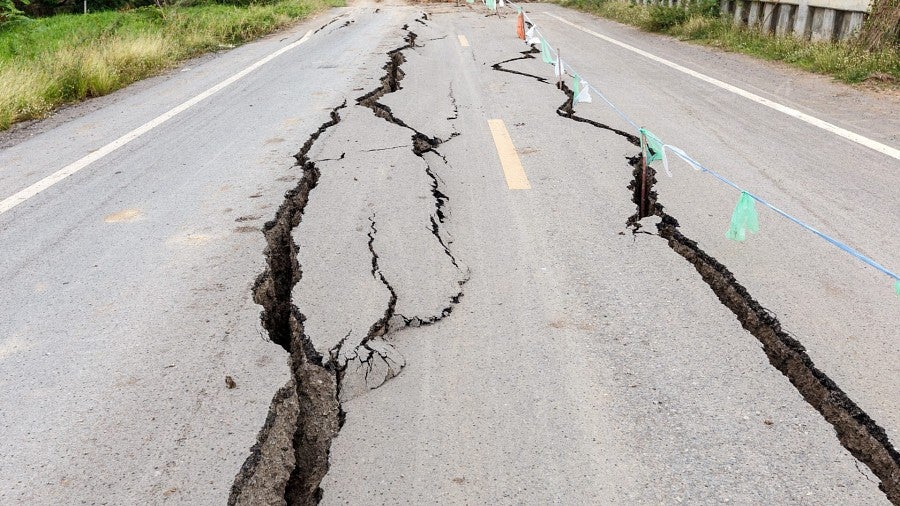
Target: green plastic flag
743,219
897,288
576,85
653,144
491,4
546,55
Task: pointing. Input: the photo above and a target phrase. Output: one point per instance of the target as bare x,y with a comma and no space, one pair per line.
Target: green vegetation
882,26
847,61
47,62
9,10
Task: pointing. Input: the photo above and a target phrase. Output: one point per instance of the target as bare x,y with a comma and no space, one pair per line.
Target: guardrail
809,19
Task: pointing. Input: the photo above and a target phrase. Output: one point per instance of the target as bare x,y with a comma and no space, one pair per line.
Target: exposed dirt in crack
373,356
273,287
643,193
855,429
290,457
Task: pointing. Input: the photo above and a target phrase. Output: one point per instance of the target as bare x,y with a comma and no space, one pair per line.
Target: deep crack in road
855,429
315,388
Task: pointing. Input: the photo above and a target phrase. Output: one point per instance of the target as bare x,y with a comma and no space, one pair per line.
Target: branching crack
565,110
390,83
526,55
440,199
380,327
291,455
421,144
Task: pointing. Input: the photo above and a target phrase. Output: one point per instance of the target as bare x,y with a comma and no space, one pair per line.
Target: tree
9,11
882,28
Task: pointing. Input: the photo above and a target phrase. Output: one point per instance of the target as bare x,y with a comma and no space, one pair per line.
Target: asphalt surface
537,349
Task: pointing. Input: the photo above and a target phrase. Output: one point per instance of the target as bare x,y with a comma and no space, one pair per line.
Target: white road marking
812,120
36,188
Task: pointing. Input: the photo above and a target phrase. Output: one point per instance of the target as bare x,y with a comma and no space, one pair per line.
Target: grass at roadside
47,62
843,60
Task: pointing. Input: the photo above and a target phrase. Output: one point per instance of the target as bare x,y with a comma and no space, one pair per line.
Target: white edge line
36,188
812,120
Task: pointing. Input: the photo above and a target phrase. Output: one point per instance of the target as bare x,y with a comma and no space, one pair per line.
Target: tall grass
48,62
846,61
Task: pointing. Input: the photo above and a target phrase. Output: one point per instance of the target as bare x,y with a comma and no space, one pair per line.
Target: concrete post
753,18
784,25
768,20
801,19
823,24
852,23
739,12
726,8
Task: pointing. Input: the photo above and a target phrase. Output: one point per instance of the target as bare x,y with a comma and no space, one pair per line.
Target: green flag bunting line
546,52
744,218
651,145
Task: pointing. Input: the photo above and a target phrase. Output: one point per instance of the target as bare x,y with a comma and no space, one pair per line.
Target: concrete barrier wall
809,19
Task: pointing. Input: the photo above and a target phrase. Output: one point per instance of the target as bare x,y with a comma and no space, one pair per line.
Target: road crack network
856,430
291,455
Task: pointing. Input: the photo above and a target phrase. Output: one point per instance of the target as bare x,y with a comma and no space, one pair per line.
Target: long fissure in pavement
291,455
856,430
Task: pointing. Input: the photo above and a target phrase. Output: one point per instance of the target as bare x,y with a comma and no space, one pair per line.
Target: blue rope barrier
703,169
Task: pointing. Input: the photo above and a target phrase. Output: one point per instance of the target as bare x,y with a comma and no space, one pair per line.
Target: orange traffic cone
520,26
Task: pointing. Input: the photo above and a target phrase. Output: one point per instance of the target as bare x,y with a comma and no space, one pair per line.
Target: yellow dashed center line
509,159
463,41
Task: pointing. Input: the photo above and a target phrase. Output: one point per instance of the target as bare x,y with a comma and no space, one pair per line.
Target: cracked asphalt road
438,337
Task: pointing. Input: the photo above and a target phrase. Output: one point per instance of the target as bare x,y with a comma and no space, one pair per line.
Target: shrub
705,8
663,17
9,11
